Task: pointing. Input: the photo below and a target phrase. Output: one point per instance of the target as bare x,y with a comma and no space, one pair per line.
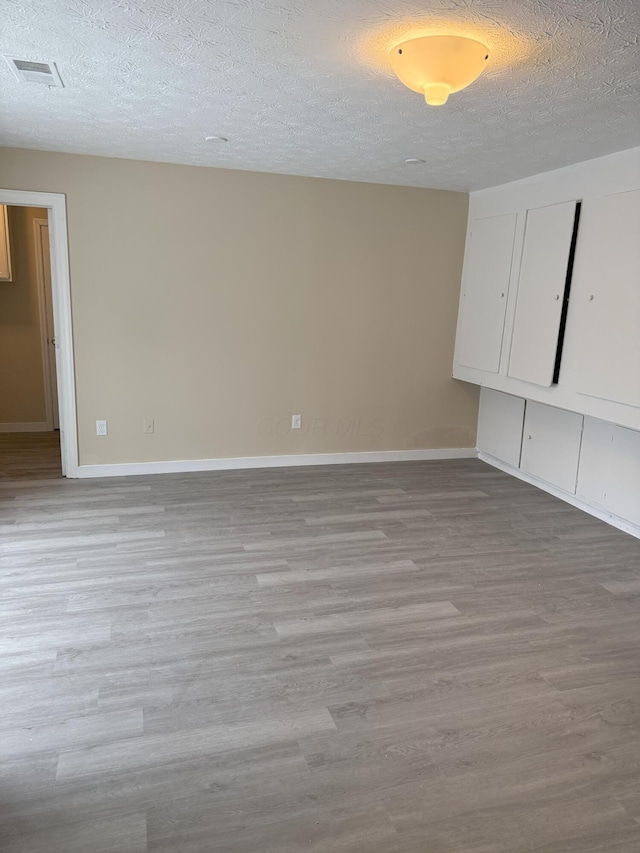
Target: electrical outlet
101,428
147,427
296,421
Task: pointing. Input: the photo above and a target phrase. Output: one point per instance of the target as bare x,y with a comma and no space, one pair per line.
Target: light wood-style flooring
425,657
30,455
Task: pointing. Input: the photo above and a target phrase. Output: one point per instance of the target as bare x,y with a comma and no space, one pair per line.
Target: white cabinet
5,249
541,286
485,286
551,445
604,312
525,240
500,421
610,468
595,459
623,492
560,447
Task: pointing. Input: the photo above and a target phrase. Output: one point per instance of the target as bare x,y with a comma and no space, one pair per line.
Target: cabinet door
485,284
5,249
551,445
500,420
541,286
609,473
604,315
623,493
595,460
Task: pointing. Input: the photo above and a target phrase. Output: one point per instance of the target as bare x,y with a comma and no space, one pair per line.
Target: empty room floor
424,657
30,455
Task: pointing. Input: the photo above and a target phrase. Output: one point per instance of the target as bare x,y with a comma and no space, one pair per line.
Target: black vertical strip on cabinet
567,291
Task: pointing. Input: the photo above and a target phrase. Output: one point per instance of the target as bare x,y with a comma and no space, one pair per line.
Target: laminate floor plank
127,834
32,456
396,658
157,749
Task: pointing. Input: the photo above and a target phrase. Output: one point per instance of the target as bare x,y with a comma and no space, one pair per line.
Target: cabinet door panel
485,284
623,494
551,445
500,422
595,460
541,284
604,315
5,250
610,468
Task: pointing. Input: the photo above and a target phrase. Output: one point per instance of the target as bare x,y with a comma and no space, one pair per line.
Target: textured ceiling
303,86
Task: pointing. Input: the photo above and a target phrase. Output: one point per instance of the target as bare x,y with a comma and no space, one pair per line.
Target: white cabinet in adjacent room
485,286
5,249
500,421
541,289
551,445
604,313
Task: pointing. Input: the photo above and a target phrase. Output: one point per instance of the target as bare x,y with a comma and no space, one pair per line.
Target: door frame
38,225
62,323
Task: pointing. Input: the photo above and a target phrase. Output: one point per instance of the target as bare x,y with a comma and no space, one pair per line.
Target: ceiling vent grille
35,72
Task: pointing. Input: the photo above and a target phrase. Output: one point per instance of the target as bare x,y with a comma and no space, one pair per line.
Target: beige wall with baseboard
21,374
220,302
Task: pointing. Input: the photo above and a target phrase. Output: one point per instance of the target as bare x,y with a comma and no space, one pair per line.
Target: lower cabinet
609,473
597,461
551,445
500,421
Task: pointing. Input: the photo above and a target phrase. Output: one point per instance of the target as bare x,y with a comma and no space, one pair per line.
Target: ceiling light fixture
411,161
216,139
438,65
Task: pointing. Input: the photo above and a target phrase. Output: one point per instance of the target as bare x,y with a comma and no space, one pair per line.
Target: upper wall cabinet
561,253
485,285
605,301
542,284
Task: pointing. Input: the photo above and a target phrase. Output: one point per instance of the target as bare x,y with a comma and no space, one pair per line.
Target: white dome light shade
436,66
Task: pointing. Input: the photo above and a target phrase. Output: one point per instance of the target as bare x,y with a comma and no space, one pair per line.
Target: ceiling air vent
35,72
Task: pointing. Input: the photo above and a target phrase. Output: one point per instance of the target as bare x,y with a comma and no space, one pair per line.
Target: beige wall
21,374
220,302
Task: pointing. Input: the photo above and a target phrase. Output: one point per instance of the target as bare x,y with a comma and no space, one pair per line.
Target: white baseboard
128,469
579,503
34,426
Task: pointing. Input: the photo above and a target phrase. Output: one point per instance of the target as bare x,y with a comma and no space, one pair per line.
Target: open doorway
47,330
38,432
29,420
